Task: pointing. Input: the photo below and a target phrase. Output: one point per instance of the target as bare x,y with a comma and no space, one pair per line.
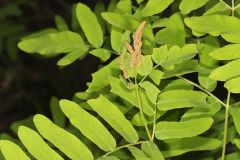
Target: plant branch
121,147
204,90
225,127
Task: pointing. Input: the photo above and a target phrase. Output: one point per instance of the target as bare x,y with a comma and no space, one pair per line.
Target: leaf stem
233,8
204,90
225,4
121,147
148,74
225,127
154,119
141,110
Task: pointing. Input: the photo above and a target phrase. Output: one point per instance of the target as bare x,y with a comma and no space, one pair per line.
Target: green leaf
207,83
174,33
178,84
233,85
137,153
106,110
228,52
118,88
11,151
72,56
152,151
235,112
36,145
101,53
227,71
219,8
116,39
99,78
151,90
61,23
186,6
190,128
53,43
98,9
216,25
160,23
90,126
237,142
173,99
156,76
191,144
160,54
124,6
90,25
63,140
155,7
57,114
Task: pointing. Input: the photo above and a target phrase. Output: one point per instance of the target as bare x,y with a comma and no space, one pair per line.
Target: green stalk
225,127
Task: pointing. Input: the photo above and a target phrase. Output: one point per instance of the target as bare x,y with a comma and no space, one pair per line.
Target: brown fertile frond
132,53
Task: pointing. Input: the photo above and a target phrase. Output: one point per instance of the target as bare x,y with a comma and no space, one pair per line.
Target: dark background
27,82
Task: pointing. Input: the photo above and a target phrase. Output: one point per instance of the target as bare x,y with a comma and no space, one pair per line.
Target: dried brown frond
132,53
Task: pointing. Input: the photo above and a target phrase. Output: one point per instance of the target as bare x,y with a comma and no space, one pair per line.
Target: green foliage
142,108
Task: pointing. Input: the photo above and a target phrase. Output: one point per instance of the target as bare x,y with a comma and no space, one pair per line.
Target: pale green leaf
173,99
156,76
174,33
124,6
160,54
61,23
228,52
227,71
235,112
90,126
118,88
11,151
99,78
116,39
191,144
53,43
137,153
177,84
151,90
233,85
72,56
63,140
155,7
152,151
216,25
219,8
101,53
90,25
36,145
186,6
106,110
190,128
160,23
207,83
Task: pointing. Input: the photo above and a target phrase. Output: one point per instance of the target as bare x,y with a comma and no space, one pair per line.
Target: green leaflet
36,145
118,88
116,39
61,23
11,151
99,78
72,56
232,156
101,53
156,76
190,128
167,58
53,43
186,6
227,71
174,33
219,8
216,25
177,85
235,111
233,85
174,99
155,7
236,142
228,52
151,90
137,153
90,25
152,151
63,140
90,126
160,23
124,6
106,110
207,83
191,144
57,114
